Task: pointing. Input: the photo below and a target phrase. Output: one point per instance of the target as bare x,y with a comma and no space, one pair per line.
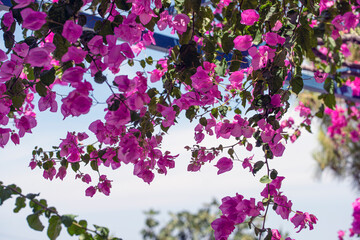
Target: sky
326,197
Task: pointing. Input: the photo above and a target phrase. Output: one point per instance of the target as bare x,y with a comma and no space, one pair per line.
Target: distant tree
185,225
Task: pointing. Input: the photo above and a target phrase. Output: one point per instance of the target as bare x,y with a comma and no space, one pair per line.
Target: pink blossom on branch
25,124
71,31
4,136
48,102
273,39
8,20
249,17
33,20
320,77
223,227
75,104
180,23
243,43
224,165
38,57
74,54
73,74
302,219
90,191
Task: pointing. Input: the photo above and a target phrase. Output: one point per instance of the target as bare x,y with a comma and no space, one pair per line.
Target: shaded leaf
34,222
54,228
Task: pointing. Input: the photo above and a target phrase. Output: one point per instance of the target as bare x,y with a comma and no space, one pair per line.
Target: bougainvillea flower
275,234
74,54
90,191
25,124
273,39
33,20
243,43
96,46
320,77
22,49
180,23
73,74
48,102
3,56
4,136
249,17
223,227
15,138
8,19
224,165
71,31
38,57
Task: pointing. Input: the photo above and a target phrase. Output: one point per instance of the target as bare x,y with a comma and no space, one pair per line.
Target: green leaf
90,149
18,101
104,232
231,152
269,235
123,5
215,112
273,174
68,219
149,60
237,111
41,89
258,37
103,7
204,19
131,62
190,113
48,164
265,179
94,165
47,77
34,222
61,45
75,166
104,28
5,194
54,228
223,110
249,4
203,121
329,85
306,38
9,39
31,196
330,101
221,67
75,229
227,42
99,77
257,166
297,84
320,113
19,203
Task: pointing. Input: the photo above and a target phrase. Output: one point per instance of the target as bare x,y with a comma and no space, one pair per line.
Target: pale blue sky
329,199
